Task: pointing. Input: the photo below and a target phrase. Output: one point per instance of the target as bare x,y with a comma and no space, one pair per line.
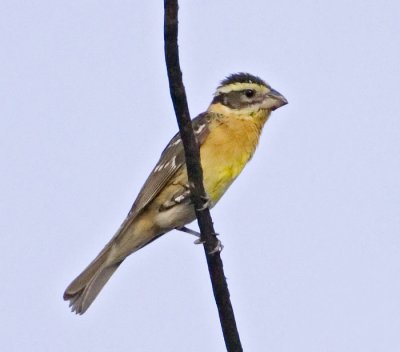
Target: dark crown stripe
242,77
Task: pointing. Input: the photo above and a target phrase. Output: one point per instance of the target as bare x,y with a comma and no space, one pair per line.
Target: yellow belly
226,151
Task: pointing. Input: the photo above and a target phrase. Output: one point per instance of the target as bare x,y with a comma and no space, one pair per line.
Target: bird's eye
249,93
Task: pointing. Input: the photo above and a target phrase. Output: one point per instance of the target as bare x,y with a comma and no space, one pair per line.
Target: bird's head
243,93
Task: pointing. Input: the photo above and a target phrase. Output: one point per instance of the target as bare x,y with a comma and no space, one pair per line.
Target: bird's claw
218,248
206,203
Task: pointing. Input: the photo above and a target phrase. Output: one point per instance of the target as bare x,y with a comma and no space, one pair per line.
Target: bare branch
195,175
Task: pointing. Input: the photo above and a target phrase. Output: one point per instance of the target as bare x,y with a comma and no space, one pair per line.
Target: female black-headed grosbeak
227,133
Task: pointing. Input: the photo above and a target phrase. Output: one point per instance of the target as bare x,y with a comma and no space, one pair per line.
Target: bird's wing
171,160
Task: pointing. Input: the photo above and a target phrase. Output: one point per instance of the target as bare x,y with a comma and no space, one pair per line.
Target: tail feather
84,289
130,237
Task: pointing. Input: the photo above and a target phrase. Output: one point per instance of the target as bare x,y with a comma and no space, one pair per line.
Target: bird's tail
134,233
85,288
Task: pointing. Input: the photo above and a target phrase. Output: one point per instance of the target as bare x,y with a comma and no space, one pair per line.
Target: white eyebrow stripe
242,86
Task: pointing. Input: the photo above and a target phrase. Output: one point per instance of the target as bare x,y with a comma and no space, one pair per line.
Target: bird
227,133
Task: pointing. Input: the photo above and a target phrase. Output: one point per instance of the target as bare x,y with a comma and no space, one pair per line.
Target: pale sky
311,228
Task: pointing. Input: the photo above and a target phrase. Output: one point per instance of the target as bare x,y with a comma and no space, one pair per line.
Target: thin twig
195,175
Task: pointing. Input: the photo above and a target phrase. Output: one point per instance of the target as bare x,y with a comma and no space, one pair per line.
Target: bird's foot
206,203
218,248
190,231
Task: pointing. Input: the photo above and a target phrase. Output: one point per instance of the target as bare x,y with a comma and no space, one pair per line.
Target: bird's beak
273,100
